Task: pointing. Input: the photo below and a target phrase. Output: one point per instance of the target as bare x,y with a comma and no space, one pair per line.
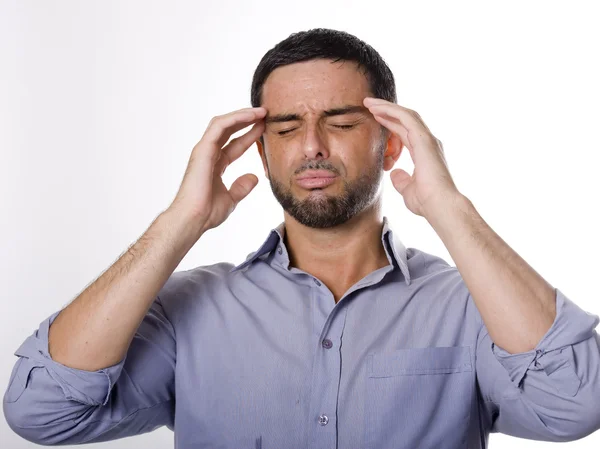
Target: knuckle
215,120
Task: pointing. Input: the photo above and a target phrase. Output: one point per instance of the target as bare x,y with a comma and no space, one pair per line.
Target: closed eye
281,133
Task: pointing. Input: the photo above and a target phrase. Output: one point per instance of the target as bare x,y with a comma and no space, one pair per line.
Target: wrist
184,227
440,206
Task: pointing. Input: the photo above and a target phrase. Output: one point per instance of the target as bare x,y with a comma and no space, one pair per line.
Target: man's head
313,84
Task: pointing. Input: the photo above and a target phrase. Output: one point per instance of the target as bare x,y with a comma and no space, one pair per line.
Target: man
331,334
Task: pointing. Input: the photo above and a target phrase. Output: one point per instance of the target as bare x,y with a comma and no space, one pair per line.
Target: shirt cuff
554,352
87,387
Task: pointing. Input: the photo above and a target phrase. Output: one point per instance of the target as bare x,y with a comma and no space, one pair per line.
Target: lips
314,179
315,183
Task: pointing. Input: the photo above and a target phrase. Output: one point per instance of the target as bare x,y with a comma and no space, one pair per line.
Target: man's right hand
202,194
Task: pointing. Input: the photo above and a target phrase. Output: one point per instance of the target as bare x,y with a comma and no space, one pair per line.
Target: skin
343,244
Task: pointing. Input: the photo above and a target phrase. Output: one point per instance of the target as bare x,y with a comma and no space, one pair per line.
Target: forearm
517,305
95,330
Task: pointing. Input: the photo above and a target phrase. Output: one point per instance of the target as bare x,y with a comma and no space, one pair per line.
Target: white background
101,103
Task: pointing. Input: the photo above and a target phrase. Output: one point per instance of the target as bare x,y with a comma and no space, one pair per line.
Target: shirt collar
275,240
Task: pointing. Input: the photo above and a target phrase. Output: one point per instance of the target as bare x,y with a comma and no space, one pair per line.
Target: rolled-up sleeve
49,403
551,392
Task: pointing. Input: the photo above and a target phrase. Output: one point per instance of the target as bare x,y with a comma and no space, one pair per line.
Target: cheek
360,162
274,159
278,163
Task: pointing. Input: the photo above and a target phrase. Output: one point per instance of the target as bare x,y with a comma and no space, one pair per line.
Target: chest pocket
419,397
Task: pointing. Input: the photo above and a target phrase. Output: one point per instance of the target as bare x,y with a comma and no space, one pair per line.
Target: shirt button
323,420
317,282
327,344
279,250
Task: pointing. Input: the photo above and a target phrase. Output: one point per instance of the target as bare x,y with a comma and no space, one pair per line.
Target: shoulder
423,264
185,290
441,284
436,276
189,281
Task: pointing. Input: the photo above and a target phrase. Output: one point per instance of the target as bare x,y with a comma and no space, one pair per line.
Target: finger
398,129
408,115
393,125
238,146
222,127
418,132
400,179
405,116
242,186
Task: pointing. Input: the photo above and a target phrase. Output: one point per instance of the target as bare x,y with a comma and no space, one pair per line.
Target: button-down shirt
260,355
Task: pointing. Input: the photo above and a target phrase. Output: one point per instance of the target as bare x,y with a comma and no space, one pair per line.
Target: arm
52,404
69,385
549,393
538,356
95,330
90,383
516,303
547,386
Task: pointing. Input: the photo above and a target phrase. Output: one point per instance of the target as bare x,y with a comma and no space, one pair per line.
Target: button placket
326,372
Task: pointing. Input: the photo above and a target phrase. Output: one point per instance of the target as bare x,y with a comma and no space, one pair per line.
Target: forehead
314,86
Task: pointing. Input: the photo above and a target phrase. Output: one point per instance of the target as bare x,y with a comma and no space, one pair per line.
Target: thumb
242,186
400,179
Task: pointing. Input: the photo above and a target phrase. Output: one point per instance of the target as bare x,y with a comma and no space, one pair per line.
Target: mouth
315,183
316,179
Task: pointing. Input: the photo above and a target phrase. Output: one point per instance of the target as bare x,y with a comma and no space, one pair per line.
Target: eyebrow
350,109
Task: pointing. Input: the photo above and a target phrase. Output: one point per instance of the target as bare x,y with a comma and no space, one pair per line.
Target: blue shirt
260,356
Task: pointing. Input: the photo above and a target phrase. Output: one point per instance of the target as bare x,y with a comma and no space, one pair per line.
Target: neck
342,255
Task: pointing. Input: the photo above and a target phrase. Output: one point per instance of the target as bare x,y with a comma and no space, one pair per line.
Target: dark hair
323,43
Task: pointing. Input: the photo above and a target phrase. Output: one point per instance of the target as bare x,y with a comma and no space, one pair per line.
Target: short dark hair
324,43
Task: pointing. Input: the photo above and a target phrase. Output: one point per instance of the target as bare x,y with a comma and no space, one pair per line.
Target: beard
320,210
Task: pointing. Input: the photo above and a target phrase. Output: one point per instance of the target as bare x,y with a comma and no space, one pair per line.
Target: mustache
317,165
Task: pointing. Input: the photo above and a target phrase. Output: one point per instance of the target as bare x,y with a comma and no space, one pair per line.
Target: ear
392,152
263,157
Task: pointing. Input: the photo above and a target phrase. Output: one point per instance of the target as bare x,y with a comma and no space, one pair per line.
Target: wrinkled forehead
314,86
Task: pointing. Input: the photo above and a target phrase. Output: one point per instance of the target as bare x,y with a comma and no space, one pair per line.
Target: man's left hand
431,184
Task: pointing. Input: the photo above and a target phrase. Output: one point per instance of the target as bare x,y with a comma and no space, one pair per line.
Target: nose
314,145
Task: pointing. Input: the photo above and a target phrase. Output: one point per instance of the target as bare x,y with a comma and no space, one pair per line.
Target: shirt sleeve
49,403
551,392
